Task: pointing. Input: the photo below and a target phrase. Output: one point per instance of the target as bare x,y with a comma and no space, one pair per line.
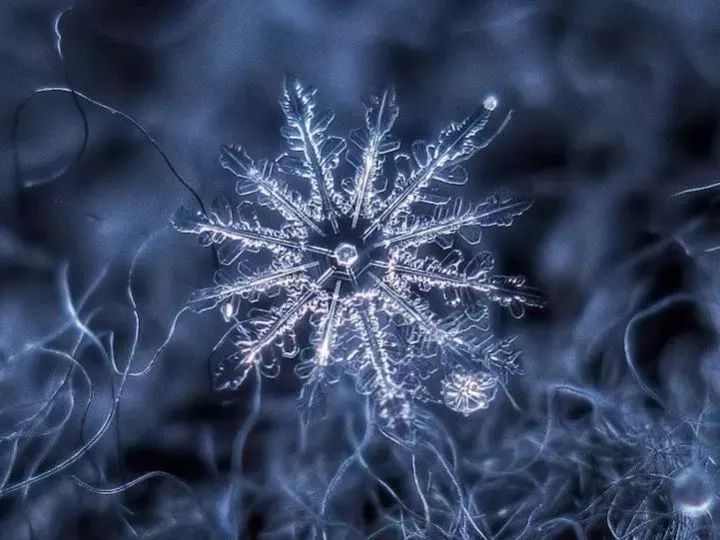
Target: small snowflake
374,262
469,392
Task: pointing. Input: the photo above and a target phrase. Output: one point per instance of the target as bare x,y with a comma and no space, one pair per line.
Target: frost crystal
469,392
374,262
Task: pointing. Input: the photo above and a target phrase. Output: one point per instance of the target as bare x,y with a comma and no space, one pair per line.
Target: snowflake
374,262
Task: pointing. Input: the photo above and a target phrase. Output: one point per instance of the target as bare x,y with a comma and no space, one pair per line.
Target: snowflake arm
413,312
372,144
429,272
378,376
317,155
460,218
465,337
261,332
290,313
219,228
318,364
325,344
257,177
254,285
377,369
441,161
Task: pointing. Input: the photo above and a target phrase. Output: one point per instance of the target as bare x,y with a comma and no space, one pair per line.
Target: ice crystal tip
490,103
350,222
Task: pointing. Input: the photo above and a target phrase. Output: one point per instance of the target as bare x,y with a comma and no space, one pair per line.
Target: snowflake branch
496,210
292,312
377,354
219,293
328,336
380,117
503,289
216,231
306,135
456,144
237,161
411,312
266,240
452,340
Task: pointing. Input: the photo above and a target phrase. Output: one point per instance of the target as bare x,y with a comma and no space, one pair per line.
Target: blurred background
615,128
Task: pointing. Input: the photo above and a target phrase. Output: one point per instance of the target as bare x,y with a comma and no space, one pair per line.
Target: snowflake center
346,254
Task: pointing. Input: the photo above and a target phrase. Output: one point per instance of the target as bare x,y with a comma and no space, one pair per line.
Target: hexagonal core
346,254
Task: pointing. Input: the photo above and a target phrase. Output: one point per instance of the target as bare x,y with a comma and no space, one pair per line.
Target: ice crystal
374,262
